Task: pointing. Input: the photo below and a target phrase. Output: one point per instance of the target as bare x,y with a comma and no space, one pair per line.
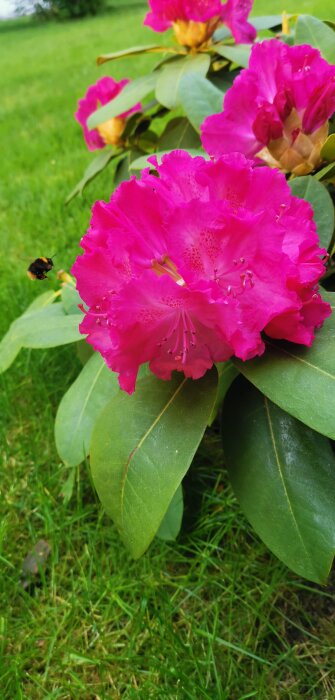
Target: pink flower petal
97,95
189,267
281,83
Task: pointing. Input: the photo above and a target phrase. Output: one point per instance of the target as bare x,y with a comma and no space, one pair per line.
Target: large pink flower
97,95
194,21
277,109
188,268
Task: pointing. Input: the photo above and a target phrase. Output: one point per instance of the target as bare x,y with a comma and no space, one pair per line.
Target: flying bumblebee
38,268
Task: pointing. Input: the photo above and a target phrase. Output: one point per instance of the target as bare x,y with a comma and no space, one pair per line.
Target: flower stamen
167,267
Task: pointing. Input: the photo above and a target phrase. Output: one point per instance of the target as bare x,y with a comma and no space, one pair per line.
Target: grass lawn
213,616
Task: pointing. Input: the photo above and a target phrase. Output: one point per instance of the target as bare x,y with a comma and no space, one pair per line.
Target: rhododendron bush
204,290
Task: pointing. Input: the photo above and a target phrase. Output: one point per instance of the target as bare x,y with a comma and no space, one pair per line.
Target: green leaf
170,526
283,475
199,98
226,374
221,34
46,328
147,141
327,173
43,300
84,351
123,168
239,54
130,95
80,407
94,168
223,80
22,328
266,21
170,75
143,445
9,349
298,379
328,149
142,162
311,30
70,299
136,50
179,133
312,191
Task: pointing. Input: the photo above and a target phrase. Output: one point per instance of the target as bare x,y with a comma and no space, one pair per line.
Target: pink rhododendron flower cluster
194,21
188,268
277,109
97,95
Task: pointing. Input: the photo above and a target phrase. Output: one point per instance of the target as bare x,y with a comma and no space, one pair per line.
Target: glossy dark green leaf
199,98
298,379
312,191
136,50
170,526
147,141
227,372
170,75
223,80
238,54
283,475
95,167
80,408
142,446
179,133
130,95
328,148
122,172
136,121
313,31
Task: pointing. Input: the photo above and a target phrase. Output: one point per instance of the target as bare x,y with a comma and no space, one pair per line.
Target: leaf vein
142,440
280,470
300,359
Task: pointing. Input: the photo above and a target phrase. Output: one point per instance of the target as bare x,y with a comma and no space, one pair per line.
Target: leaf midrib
314,37
89,394
184,70
316,368
281,475
140,443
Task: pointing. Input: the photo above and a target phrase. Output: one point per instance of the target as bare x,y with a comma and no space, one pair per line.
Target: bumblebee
38,268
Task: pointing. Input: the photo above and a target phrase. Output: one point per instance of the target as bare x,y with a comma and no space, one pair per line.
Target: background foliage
215,616
69,8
